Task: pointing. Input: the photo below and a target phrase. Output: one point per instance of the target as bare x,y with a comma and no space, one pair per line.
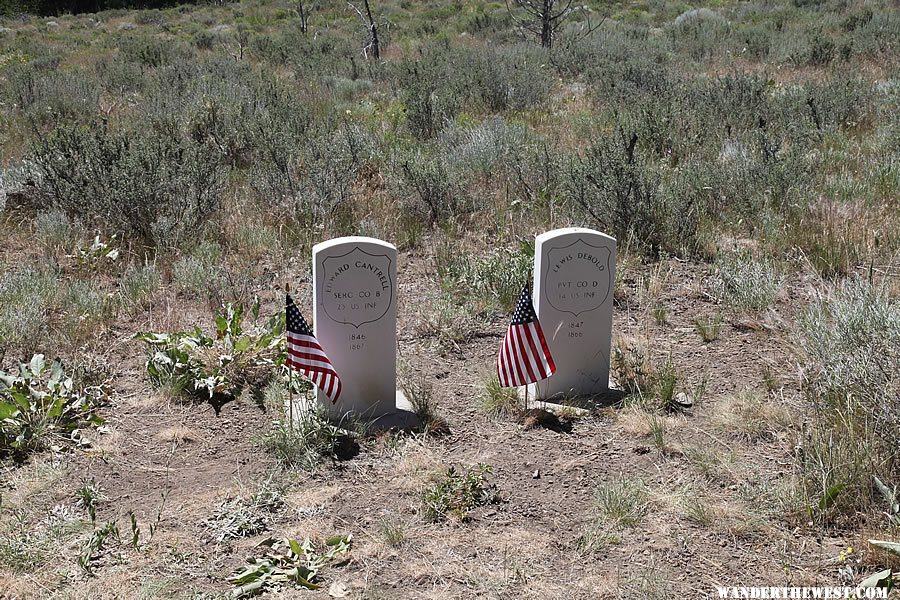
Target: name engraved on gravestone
357,287
577,279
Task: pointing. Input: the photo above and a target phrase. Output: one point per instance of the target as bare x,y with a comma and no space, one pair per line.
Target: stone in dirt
355,321
574,278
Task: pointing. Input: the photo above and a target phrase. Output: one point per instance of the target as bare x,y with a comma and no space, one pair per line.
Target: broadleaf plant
221,366
287,562
42,403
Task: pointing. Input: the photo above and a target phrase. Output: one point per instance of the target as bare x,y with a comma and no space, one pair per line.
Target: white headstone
355,321
574,277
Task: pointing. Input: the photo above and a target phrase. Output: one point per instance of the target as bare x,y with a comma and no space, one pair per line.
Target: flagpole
287,289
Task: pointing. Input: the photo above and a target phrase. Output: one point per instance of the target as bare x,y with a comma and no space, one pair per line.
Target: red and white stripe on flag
305,355
524,356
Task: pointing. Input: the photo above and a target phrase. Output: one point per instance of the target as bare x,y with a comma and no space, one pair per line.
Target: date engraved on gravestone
577,278
357,287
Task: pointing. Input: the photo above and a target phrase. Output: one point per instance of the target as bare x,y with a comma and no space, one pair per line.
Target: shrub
613,187
157,188
152,51
199,273
26,296
55,231
492,279
138,284
743,282
849,342
85,306
41,404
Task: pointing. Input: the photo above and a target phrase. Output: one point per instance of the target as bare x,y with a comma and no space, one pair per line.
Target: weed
709,328
448,321
499,401
89,496
456,494
95,545
220,367
393,532
420,394
743,282
97,255
307,442
632,364
492,279
41,404
660,313
287,560
241,517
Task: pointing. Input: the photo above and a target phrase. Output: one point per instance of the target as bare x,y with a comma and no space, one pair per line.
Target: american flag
307,356
524,357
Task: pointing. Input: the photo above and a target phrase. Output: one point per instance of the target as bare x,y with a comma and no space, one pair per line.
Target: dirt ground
176,462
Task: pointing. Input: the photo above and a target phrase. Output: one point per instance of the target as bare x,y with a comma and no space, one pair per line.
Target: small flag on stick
524,356
307,356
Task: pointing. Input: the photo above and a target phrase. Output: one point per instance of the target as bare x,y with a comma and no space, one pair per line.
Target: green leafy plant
43,403
287,562
455,493
89,495
95,545
220,366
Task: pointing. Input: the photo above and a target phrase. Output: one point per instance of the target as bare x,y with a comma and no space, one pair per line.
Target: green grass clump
307,443
499,401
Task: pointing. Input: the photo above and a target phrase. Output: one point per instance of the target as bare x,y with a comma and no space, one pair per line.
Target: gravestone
574,277
355,321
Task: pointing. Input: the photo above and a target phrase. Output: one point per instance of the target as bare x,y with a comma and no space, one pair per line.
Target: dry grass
751,416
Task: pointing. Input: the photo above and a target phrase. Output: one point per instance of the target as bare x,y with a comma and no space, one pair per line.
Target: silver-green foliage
26,295
745,282
138,284
849,341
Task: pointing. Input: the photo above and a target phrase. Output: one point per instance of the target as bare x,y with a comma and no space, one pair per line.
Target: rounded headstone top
352,239
566,231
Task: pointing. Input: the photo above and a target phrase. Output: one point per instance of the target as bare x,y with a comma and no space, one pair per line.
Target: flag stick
287,289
